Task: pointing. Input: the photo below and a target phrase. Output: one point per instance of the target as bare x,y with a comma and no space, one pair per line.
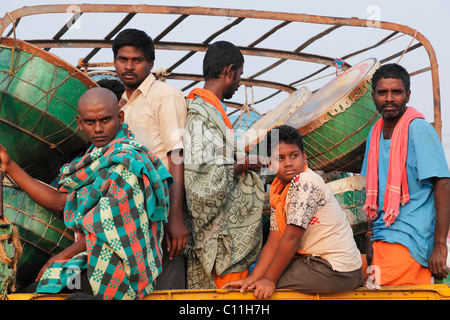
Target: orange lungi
396,266
220,281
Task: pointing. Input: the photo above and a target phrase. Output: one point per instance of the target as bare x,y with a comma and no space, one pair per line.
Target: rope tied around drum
15,43
10,248
161,74
406,49
339,63
247,108
9,237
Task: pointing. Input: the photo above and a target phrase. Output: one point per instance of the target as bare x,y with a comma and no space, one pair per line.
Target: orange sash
211,98
234,276
278,194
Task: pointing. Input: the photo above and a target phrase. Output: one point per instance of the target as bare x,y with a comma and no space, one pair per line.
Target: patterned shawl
397,191
224,211
118,198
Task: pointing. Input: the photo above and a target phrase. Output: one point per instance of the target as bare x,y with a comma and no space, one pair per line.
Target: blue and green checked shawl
118,198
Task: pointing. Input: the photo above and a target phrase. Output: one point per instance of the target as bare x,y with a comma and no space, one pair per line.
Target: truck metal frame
177,15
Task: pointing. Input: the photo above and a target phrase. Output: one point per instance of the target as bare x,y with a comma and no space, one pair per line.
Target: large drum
42,233
39,93
350,192
98,75
273,118
336,120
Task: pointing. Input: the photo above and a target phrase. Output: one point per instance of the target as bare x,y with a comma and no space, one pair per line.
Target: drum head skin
336,120
333,98
273,118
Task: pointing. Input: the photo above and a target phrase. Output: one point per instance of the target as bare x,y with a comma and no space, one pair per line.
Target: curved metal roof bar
243,13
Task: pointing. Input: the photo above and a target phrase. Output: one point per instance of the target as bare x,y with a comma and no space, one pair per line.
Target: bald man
114,197
99,116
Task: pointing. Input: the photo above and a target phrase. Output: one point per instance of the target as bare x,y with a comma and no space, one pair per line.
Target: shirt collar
144,88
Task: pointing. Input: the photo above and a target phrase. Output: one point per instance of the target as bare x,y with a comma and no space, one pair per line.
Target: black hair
391,71
219,55
135,38
114,85
283,133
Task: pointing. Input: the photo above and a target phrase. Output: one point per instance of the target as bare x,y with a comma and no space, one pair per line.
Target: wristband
245,166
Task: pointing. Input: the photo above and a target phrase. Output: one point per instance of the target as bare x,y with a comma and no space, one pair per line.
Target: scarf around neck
211,98
278,195
397,191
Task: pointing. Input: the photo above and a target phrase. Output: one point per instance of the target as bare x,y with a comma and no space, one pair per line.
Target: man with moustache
156,115
407,187
224,194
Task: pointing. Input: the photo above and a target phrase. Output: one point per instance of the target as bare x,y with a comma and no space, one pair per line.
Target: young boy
311,246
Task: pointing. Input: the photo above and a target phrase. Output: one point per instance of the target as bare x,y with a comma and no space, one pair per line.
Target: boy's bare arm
285,252
67,254
264,261
267,255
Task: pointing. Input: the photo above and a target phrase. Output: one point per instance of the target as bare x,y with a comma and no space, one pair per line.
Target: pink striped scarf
397,191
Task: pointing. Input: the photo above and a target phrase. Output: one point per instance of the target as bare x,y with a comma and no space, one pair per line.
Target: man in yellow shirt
156,115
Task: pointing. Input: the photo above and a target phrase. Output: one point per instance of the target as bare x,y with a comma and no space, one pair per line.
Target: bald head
98,95
99,116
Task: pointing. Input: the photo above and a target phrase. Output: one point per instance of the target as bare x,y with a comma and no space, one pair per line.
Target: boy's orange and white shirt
310,204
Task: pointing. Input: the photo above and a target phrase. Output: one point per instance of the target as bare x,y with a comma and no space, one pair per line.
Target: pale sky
428,17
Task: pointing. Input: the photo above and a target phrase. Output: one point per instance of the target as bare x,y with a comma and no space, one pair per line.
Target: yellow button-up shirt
156,115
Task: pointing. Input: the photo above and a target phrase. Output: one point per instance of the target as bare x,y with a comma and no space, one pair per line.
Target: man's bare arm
44,195
438,258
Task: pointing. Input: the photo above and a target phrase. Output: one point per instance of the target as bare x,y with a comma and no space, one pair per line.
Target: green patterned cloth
224,211
10,250
118,198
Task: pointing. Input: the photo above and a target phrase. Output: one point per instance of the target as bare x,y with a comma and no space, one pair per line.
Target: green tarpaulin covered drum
350,192
39,93
42,233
